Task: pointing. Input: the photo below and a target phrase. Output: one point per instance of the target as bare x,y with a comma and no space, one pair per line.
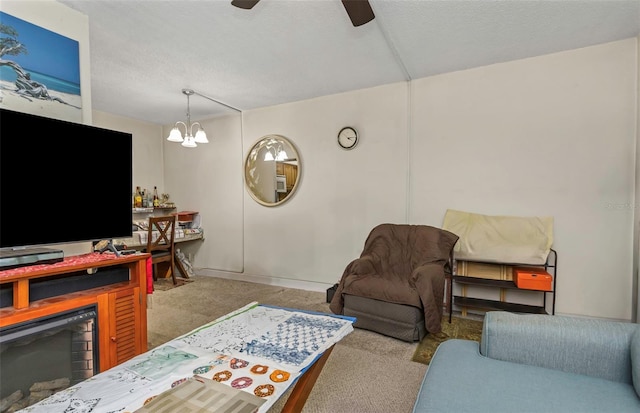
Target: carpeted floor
463,328
367,372
164,284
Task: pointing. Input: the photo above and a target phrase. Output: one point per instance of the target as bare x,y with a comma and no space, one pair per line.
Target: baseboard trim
262,279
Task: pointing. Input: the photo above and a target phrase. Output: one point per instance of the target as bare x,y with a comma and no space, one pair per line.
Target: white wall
548,136
553,135
342,194
636,239
208,179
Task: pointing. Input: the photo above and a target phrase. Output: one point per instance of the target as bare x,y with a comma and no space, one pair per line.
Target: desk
139,239
139,242
239,349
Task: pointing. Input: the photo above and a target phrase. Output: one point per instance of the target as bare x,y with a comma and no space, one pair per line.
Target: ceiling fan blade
359,11
244,4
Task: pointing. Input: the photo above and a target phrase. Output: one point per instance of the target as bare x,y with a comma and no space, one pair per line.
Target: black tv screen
62,182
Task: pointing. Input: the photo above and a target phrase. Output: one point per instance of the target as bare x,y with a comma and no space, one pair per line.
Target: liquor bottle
145,200
138,198
156,200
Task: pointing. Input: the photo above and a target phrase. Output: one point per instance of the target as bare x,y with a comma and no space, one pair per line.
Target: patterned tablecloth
258,349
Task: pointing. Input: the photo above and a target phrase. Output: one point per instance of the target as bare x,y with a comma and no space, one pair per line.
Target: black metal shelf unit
551,266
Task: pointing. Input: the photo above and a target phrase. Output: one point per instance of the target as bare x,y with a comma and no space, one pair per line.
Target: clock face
347,138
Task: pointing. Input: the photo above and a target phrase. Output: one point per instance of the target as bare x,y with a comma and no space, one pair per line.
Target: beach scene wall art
39,70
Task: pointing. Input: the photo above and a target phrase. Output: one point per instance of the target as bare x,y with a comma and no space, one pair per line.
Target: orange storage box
532,278
185,216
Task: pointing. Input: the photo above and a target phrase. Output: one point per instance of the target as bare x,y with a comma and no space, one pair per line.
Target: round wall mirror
272,170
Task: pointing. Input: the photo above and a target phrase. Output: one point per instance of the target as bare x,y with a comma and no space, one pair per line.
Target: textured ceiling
144,52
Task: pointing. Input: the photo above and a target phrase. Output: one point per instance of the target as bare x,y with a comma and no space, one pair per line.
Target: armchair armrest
591,347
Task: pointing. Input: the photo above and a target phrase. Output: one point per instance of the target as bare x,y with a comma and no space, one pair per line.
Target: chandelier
190,140
274,150
281,155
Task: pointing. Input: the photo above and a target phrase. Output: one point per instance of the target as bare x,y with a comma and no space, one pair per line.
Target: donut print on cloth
259,369
237,363
241,382
279,376
264,390
178,382
264,380
202,369
222,376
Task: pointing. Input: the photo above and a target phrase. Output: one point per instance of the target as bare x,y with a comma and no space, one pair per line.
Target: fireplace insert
42,356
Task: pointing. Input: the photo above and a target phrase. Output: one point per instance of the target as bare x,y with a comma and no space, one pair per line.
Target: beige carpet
366,373
463,328
164,284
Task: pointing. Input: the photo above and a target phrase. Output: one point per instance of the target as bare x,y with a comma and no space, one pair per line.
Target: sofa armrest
597,348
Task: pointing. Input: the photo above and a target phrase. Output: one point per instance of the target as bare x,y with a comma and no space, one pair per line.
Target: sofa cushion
597,348
459,379
635,360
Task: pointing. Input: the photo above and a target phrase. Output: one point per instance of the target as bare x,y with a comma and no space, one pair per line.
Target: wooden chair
162,248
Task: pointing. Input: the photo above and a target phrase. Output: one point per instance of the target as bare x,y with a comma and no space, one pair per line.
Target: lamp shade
189,142
201,137
175,135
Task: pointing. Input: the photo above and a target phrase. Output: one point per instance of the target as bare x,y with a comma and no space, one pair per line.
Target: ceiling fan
359,11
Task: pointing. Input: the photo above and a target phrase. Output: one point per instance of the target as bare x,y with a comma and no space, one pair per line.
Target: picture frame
42,74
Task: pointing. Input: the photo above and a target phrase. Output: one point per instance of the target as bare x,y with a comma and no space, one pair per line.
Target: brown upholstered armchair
397,285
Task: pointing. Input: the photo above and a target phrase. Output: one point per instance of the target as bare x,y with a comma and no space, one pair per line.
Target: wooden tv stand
121,307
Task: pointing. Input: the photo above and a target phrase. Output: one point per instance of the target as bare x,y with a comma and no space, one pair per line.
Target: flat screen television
62,182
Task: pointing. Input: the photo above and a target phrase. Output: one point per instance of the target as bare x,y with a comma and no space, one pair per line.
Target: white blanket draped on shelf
500,239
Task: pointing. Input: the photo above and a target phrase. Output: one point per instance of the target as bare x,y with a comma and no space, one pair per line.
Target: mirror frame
257,151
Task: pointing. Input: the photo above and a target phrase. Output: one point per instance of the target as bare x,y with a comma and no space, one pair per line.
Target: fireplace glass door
43,356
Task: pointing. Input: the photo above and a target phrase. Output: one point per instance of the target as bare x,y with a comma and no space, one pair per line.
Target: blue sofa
536,363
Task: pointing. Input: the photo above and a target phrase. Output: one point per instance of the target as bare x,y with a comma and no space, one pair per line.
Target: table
136,243
255,347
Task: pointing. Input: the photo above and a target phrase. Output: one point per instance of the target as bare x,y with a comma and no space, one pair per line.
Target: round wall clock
347,138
